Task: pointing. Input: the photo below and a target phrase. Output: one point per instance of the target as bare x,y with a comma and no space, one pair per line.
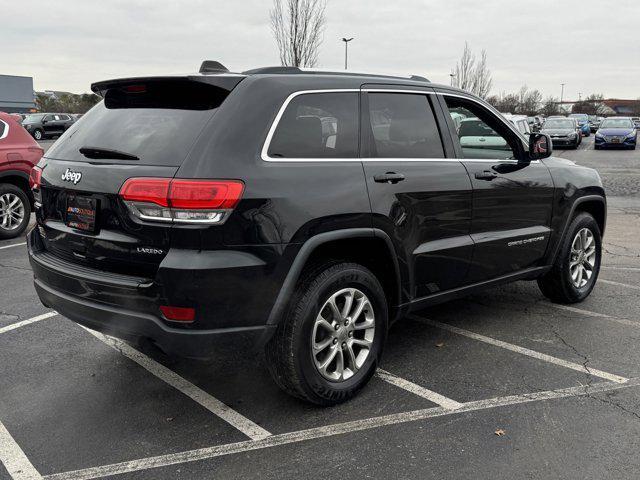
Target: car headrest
406,130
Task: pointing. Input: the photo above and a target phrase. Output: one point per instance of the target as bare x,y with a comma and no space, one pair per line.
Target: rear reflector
35,178
181,200
178,314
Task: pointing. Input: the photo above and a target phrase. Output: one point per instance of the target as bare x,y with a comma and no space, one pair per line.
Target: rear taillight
35,178
181,200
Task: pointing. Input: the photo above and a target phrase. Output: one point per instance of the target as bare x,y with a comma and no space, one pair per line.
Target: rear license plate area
81,212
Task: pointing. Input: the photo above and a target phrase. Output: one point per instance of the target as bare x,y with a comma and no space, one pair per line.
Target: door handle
389,177
486,175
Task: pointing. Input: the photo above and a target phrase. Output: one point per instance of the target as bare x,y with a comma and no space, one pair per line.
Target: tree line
66,103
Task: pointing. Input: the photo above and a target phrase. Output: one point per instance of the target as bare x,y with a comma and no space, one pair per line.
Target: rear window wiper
106,153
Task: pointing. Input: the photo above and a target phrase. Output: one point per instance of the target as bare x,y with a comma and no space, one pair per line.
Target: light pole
562,93
346,43
452,75
579,96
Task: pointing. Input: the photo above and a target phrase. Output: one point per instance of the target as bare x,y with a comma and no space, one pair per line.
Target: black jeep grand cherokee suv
306,211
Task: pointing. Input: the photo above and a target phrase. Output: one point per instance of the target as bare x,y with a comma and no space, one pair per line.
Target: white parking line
523,351
618,284
577,310
416,389
331,430
215,406
588,313
13,245
14,459
13,326
613,267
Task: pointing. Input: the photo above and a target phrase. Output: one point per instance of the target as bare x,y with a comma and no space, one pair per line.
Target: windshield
33,118
559,123
580,116
616,123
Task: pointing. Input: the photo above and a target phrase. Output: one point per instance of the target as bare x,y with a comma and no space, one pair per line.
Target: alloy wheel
343,334
11,211
583,258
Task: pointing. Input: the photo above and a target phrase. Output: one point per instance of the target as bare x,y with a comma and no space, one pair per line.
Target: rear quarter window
317,125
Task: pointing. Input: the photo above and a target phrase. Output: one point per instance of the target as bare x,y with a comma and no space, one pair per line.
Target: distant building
623,107
611,106
16,94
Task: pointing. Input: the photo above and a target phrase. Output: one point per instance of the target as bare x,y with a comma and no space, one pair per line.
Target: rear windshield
156,122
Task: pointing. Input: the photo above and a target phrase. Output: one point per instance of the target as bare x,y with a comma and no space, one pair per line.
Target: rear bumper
128,307
135,326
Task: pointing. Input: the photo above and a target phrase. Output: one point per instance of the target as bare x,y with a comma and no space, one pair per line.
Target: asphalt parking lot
502,384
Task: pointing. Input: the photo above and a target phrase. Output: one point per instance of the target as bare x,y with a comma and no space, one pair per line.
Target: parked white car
521,122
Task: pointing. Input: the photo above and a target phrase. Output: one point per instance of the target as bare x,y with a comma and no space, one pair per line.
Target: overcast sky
591,45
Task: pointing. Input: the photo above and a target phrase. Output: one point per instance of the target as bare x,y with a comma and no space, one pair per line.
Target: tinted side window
403,126
318,125
482,135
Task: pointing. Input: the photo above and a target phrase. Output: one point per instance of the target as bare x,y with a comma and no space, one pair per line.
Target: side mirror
44,120
540,146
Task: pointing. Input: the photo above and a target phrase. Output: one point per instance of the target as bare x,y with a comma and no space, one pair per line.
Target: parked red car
18,154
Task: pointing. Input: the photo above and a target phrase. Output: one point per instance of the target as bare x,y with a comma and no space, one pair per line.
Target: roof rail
211,66
273,70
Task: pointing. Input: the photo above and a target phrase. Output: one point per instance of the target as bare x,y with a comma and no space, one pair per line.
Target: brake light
35,178
152,190
181,200
178,314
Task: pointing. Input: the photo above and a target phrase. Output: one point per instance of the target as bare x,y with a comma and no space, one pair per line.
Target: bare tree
551,106
591,105
297,27
472,74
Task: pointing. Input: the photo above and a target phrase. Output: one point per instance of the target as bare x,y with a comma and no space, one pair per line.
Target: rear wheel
328,345
38,134
15,210
577,265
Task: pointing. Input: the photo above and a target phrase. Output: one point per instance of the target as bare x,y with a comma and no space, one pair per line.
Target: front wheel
329,344
577,265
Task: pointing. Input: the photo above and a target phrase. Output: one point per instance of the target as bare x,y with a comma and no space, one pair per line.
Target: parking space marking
332,430
13,245
22,323
613,267
588,313
14,459
416,389
215,406
618,284
524,351
577,310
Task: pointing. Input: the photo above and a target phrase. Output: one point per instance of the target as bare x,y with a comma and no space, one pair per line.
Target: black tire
289,354
38,134
557,285
12,190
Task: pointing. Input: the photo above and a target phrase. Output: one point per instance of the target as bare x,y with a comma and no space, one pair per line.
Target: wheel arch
353,244
596,205
20,180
